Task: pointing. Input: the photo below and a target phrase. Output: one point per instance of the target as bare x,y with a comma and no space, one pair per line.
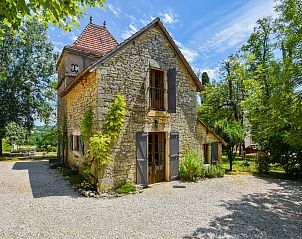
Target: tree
233,133
222,99
205,78
61,13
222,105
15,134
44,137
27,80
273,105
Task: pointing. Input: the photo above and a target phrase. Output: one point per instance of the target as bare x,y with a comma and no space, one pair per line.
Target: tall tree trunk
230,157
1,147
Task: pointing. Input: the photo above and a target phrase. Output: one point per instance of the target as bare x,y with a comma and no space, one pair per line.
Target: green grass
248,166
7,156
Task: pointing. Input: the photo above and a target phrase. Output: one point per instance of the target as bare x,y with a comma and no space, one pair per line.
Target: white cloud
115,10
213,73
232,30
169,17
146,20
188,53
130,31
58,46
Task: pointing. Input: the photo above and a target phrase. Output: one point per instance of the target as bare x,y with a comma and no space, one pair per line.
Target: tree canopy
15,134
27,77
260,88
59,13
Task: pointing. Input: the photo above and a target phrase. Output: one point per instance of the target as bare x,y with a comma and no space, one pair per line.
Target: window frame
157,90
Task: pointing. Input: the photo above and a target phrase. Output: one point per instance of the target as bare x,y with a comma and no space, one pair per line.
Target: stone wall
127,72
83,95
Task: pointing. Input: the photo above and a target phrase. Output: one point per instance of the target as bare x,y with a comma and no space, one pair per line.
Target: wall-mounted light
156,123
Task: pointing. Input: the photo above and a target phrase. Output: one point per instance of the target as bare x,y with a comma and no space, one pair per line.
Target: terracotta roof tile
95,40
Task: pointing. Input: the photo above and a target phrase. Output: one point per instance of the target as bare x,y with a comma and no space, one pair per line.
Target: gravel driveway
37,202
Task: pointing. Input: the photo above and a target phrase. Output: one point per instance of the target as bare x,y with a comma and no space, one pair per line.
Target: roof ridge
127,41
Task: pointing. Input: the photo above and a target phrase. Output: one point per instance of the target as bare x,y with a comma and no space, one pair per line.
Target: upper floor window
157,90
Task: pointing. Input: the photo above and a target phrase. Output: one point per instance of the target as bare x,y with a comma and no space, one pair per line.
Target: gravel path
37,202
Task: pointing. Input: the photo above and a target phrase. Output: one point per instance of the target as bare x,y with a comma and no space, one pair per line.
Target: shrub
214,171
76,179
262,163
69,172
88,184
126,188
191,166
6,147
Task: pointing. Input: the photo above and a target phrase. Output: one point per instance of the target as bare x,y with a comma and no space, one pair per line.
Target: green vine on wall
100,144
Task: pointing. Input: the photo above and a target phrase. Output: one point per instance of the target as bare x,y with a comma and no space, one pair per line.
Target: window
156,90
76,142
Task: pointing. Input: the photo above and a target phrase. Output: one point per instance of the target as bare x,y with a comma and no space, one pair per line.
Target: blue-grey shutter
81,146
171,90
214,152
71,141
142,158
174,155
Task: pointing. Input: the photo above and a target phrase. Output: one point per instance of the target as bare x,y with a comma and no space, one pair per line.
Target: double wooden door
156,157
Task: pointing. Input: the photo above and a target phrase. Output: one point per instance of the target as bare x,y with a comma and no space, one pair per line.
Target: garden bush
126,188
69,172
191,166
88,184
263,163
6,147
76,179
214,171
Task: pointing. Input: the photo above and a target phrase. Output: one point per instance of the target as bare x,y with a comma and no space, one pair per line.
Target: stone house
160,89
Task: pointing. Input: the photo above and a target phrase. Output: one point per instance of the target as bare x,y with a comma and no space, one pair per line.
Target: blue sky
206,31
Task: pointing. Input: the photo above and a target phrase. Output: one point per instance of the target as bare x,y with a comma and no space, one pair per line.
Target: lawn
7,156
248,166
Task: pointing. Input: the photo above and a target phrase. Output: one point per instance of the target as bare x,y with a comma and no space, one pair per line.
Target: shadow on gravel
45,182
272,214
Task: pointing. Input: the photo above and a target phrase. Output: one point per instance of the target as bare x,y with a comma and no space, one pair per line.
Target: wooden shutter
81,146
214,152
71,141
174,155
171,90
142,159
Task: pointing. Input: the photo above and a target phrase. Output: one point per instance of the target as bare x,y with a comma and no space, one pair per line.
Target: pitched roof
94,39
212,131
155,22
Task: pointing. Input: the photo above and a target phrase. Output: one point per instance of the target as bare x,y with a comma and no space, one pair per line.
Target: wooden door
214,152
206,153
156,157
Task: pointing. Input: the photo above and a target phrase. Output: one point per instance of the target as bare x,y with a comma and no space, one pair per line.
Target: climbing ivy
100,144
86,124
